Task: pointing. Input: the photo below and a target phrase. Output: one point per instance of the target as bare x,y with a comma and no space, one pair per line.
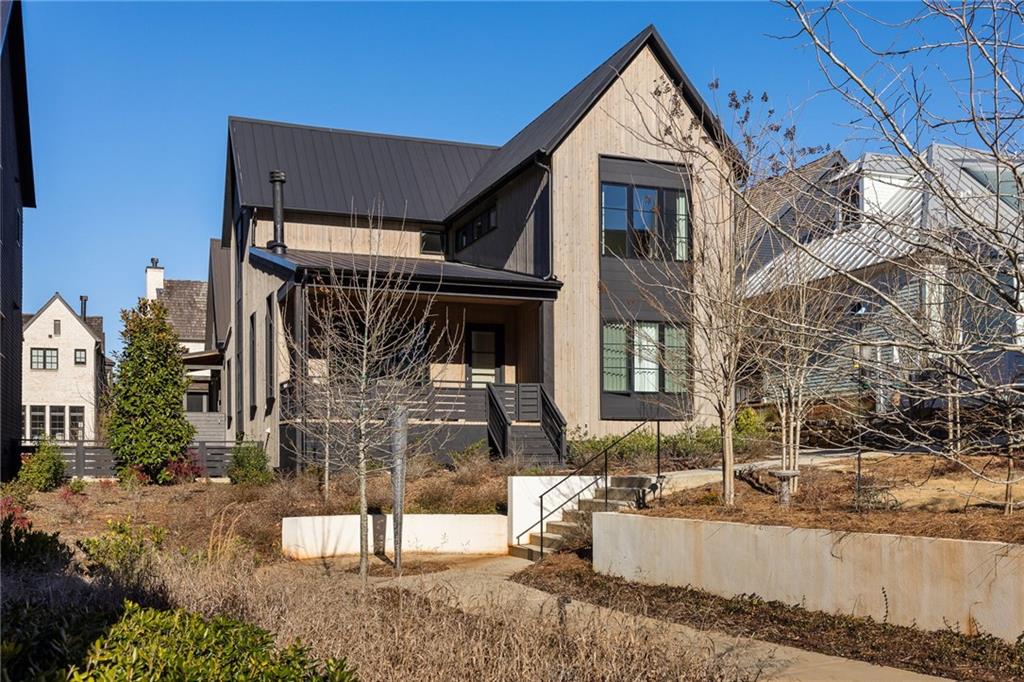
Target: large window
43,358
644,357
76,422
644,222
57,422
36,421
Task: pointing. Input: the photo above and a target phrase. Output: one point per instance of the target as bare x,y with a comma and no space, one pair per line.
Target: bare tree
376,338
939,210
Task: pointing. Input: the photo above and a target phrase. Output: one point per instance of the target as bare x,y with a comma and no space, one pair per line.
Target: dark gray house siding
16,193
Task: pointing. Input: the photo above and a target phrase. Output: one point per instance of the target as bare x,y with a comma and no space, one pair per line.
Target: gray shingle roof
185,300
345,172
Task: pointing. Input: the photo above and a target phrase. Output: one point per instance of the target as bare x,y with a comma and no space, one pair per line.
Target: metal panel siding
341,172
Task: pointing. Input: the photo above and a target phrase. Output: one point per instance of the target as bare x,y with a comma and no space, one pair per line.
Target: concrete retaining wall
524,500
930,582
310,537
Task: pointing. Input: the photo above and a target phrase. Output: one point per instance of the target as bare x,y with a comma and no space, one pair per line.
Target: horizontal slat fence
93,460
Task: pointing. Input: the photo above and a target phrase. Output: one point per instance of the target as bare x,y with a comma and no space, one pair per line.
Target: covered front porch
489,346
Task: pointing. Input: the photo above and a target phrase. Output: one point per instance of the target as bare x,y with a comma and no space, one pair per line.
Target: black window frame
252,366
76,422
36,412
663,236
663,325
58,434
56,327
81,353
269,341
481,224
442,238
44,357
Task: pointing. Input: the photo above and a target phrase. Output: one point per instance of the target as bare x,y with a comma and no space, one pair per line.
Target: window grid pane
645,357
76,422
57,422
37,421
682,227
615,358
675,360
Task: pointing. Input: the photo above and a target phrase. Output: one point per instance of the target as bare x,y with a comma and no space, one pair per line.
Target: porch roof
435,276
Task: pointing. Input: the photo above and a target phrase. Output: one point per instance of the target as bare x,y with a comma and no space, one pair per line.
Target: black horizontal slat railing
91,459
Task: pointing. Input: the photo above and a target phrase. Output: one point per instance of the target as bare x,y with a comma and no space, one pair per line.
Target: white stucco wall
930,582
311,537
70,384
524,501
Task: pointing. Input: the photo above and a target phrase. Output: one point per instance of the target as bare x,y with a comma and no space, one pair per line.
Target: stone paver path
475,581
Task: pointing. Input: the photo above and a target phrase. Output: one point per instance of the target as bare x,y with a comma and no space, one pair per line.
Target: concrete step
576,516
529,552
622,494
599,505
562,527
631,481
551,540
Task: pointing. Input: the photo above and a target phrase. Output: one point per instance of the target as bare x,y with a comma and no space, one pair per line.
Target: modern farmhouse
525,247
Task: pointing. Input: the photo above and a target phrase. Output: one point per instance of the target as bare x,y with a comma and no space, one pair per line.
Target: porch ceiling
434,276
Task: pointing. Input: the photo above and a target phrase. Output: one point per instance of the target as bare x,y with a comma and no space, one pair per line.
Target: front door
485,346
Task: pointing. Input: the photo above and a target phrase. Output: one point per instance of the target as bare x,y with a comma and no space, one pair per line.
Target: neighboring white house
64,372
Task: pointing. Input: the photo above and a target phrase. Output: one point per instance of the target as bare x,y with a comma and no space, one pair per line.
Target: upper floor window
850,205
43,358
79,356
56,327
484,222
999,181
644,222
432,241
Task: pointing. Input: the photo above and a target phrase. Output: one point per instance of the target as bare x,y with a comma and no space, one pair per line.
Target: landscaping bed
944,653
907,495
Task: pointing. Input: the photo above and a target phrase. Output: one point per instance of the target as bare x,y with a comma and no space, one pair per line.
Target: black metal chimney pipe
277,179
84,300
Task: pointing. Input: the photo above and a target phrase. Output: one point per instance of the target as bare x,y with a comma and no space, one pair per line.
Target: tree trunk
728,465
399,440
1008,509
364,525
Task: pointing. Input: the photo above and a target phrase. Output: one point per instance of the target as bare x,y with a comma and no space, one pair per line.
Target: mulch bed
945,653
826,500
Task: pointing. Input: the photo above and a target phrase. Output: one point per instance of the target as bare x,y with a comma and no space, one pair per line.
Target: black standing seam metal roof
548,130
416,269
346,172
342,171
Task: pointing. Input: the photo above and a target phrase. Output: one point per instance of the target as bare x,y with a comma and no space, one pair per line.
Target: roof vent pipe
277,179
84,301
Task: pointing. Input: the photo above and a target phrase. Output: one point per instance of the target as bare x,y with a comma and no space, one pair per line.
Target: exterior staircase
531,444
624,492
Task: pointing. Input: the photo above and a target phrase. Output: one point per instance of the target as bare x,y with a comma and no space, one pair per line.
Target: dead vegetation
945,653
906,495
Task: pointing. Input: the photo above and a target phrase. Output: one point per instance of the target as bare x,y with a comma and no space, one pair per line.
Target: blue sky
129,103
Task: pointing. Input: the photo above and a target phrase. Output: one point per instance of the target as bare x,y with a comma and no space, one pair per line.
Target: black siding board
622,294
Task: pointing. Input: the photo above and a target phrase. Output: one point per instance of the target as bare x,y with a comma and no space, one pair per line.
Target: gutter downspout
551,217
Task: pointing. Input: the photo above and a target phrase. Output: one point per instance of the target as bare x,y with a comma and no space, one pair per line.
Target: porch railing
498,423
94,460
552,423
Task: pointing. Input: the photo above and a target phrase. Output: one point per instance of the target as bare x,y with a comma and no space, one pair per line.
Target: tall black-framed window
270,334
76,422
36,421
644,357
252,365
640,221
57,422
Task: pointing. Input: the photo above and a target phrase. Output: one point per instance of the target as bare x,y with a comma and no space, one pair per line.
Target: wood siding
613,127
520,243
340,234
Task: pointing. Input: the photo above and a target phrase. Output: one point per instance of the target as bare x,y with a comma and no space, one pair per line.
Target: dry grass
946,653
190,511
826,500
388,633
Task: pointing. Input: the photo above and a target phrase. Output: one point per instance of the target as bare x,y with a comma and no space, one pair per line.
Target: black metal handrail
498,423
553,423
574,472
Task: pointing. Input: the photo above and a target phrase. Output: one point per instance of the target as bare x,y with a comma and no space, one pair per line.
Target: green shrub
178,645
76,485
19,491
43,470
751,427
249,464
41,639
147,427
22,546
124,554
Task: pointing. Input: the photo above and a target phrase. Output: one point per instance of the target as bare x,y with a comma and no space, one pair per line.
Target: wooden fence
93,460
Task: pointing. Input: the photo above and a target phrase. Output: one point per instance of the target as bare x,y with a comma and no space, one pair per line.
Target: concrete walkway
478,581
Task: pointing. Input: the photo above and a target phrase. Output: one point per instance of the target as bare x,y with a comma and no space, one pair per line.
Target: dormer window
999,181
851,205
